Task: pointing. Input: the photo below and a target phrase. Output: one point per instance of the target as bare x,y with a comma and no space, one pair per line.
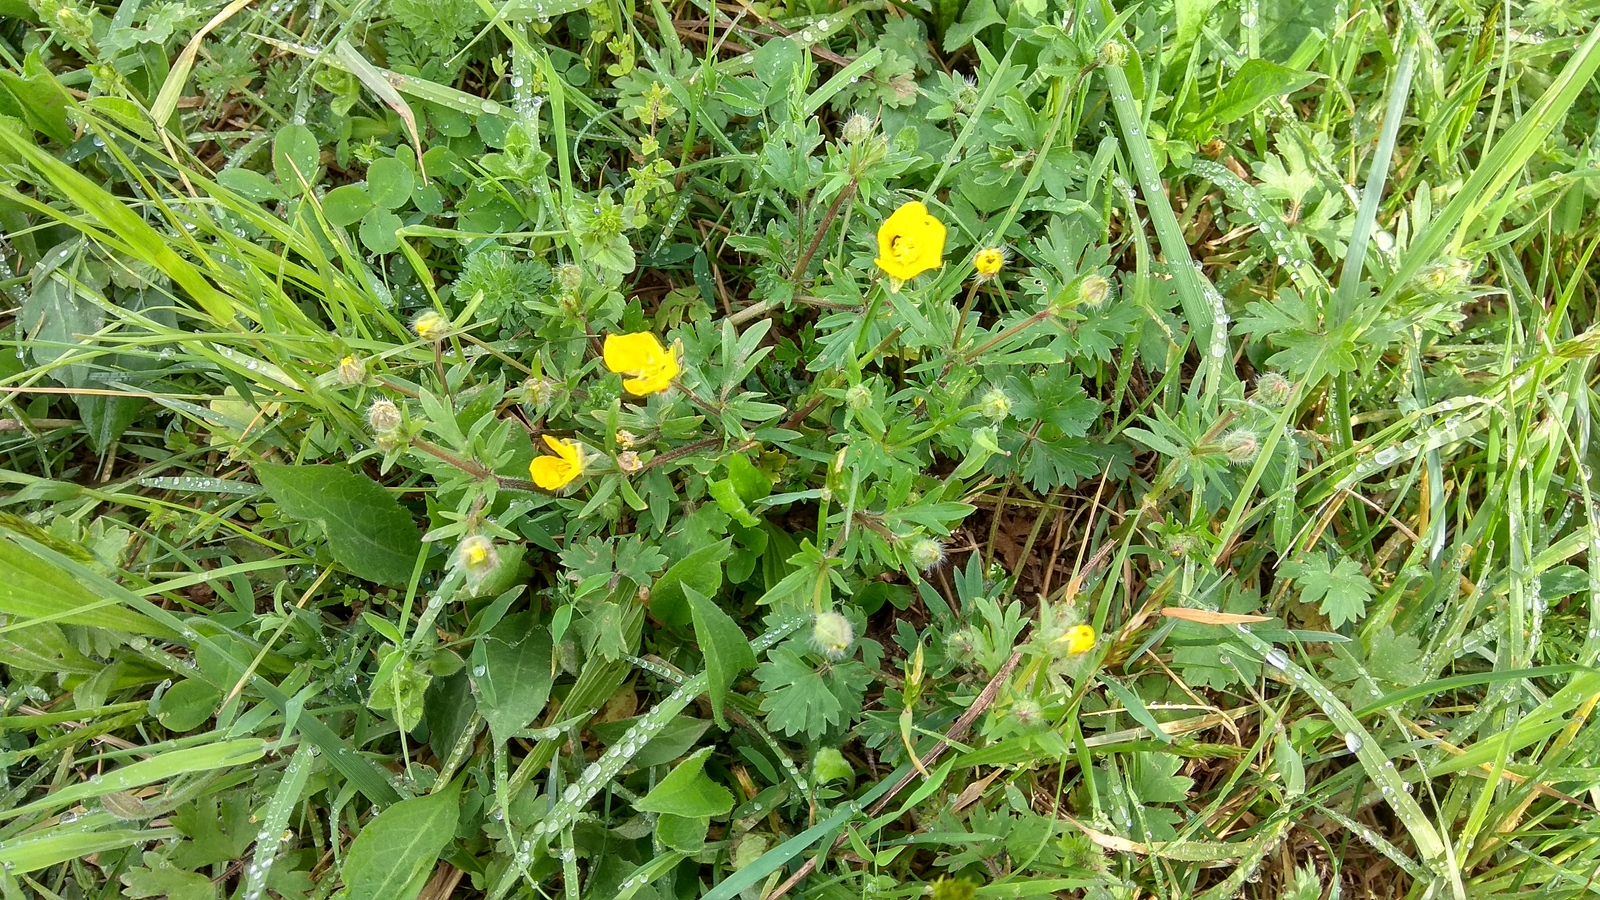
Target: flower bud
858,397
1027,713
856,129
352,371
383,417
832,634
569,276
477,555
1273,390
430,326
927,553
988,262
1112,53
628,461
1093,290
962,647
995,405
1241,446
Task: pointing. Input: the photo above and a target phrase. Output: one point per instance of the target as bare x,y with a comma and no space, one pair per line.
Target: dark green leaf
389,182
395,853
294,158
727,650
344,206
368,532
688,792
701,569
1256,82
512,674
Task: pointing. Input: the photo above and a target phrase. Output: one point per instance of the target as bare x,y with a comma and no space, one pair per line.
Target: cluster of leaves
299,293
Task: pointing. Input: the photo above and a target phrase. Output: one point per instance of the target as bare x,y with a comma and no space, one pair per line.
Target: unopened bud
856,129
1273,390
995,404
352,371
858,397
383,417
570,277
1093,290
477,556
1113,54
1241,446
962,647
927,553
1027,713
430,326
832,634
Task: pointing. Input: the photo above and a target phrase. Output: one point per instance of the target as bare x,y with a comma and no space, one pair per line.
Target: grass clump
989,449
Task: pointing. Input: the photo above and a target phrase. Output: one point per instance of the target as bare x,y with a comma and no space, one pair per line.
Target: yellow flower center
904,249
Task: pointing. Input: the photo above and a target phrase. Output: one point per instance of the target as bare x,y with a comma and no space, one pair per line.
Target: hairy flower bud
569,276
1241,446
856,129
1112,53
832,634
352,371
962,647
927,553
477,555
858,397
1093,290
430,326
383,417
628,461
1273,390
1027,713
994,404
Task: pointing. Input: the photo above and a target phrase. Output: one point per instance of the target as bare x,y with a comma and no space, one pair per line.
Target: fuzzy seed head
962,647
430,326
626,439
832,634
927,553
628,461
383,417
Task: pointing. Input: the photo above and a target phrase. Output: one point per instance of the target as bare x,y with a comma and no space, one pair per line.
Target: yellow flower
988,262
556,472
910,242
641,356
1079,639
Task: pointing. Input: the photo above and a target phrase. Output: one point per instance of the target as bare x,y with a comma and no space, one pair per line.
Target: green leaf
250,184
701,569
344,206
1342,591
170,764
683,833
159,878
393,856
187,705
727,650
977,16
31,588
799,700
380,231
368,532
1256,82
389,182
294,158
671,742
688,792
511,673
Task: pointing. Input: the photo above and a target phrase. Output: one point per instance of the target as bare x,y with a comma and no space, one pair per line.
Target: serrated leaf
701,569
688,792
395,853
723,642
511,674
1342,591
368,531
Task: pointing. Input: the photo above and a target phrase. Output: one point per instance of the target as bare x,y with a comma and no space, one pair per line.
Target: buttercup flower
1079,639
910,242
641,356
477,555
556,472
988,262
430,326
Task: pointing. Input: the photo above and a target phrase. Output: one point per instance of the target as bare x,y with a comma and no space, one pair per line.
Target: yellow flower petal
555,472
910,242
651,367
1080,639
